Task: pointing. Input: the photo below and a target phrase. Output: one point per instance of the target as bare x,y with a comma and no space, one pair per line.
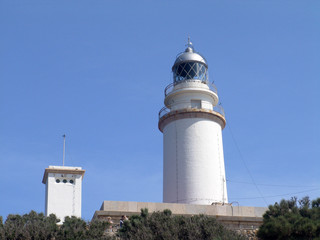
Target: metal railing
218,109
163,112
170,87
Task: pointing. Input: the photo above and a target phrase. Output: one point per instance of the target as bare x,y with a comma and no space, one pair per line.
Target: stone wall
245,220
250,234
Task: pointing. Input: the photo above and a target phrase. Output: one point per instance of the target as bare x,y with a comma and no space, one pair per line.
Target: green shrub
36,226
291,219
162,226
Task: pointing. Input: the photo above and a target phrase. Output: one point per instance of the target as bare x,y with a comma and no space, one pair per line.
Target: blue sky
96,71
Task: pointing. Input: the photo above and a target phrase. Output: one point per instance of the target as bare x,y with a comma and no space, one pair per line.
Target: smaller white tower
63,191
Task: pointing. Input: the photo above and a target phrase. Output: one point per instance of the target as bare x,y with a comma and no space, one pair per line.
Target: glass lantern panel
190,70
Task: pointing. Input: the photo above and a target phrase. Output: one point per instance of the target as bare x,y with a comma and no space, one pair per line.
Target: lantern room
190,66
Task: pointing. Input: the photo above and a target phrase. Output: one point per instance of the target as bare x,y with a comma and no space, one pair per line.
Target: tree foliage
1,228
30,226
97,230
36,226
73,228
292,219
162,225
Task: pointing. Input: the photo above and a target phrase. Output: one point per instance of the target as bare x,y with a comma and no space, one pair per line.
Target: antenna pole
64,149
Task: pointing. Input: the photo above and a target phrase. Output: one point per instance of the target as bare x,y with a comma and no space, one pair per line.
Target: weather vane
189,44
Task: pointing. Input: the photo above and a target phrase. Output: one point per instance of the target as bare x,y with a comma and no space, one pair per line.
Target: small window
71,181
58,180
196,104
64,180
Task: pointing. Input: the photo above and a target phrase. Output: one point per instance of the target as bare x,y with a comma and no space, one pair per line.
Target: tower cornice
62,170
191,113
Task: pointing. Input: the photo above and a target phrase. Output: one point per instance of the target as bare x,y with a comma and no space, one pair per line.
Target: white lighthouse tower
192,123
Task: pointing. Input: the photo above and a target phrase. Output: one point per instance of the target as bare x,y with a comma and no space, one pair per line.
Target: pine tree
291,219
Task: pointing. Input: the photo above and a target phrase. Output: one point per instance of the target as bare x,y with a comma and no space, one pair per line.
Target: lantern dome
190,65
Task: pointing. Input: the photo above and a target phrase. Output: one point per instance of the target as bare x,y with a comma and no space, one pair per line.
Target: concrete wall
235,217
63,191
181,101
183,92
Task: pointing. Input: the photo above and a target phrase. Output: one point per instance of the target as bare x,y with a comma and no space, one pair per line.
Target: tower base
235,217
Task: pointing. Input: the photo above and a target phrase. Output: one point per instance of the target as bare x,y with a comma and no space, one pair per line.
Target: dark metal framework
190,70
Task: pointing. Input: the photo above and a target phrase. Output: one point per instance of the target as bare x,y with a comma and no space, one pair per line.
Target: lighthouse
192,122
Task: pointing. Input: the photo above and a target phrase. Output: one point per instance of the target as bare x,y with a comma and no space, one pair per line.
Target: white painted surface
63,199
194,171
184,93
